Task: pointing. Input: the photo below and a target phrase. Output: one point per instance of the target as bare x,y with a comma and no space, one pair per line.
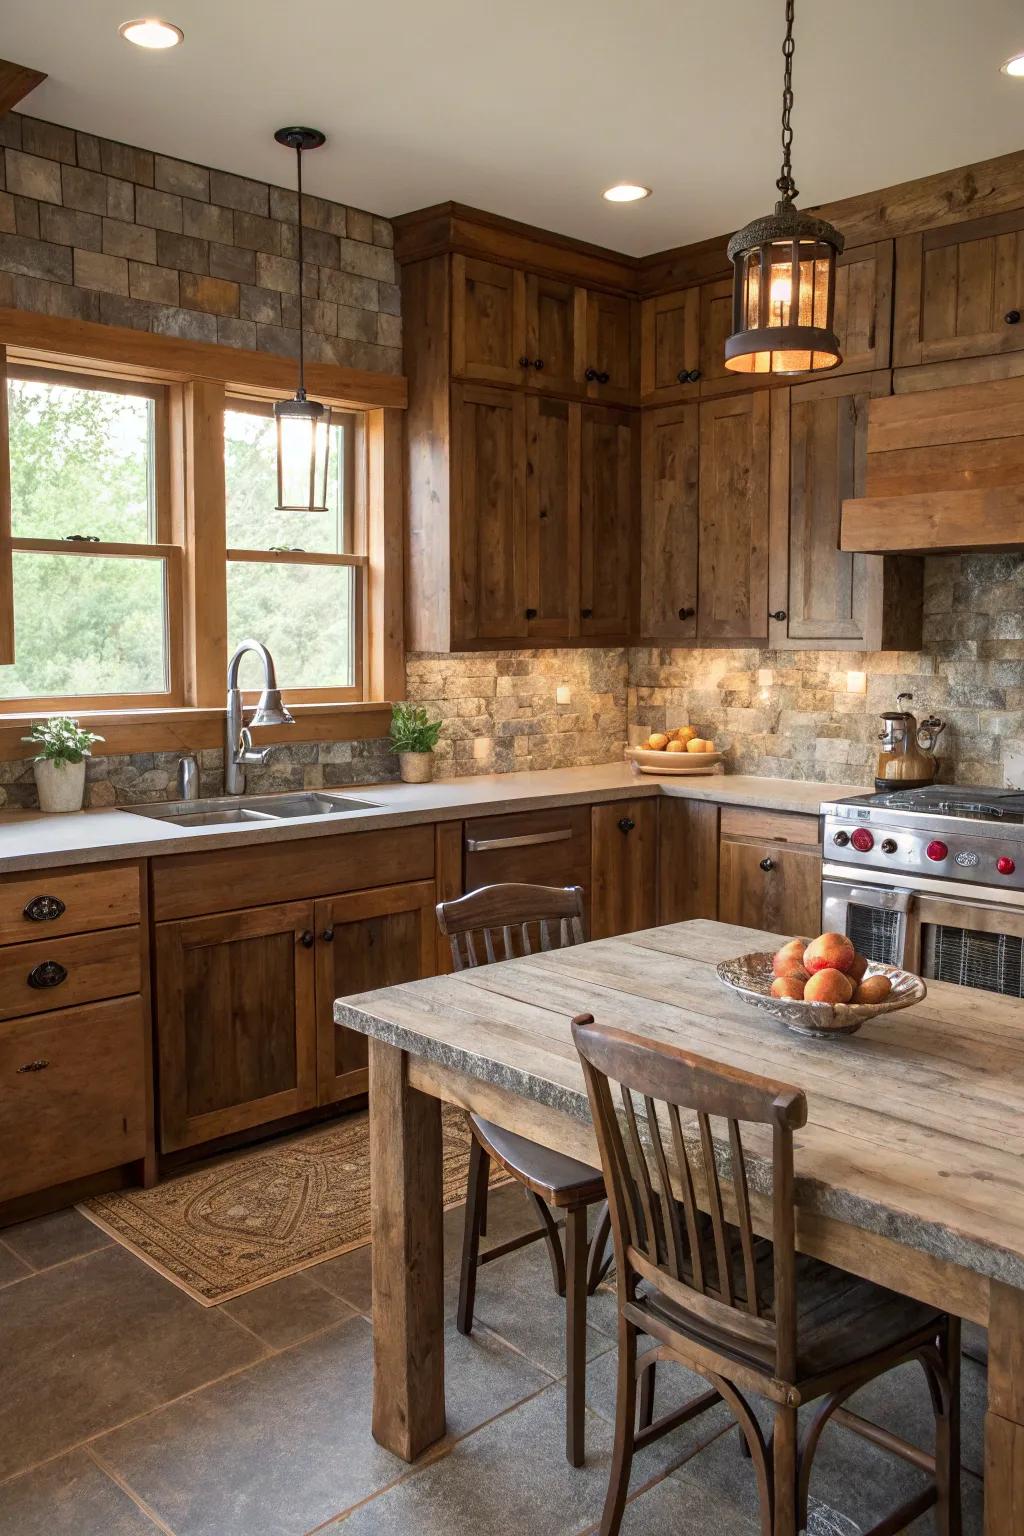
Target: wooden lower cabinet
366,940
624,868
769,873
688,860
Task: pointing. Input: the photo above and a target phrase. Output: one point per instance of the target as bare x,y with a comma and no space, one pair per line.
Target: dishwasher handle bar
522,840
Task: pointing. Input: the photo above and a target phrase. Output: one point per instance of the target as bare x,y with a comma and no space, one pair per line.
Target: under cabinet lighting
625,192
1014,66
151,32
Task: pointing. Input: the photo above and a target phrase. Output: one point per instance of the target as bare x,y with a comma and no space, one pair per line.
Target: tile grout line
129,1492
34,1273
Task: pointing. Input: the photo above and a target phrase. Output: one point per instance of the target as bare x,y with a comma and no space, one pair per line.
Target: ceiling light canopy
151,32
626,192
784,274
1014,66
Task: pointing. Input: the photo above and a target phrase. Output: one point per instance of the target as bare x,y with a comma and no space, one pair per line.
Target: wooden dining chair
751,1316
503,922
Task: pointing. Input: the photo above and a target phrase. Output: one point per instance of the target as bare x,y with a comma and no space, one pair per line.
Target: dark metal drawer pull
48,973
522,840
328,935
44,909
307,939
626,823
34,1066
767,864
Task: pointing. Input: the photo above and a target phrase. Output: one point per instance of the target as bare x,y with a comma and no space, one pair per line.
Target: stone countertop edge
30,840
930,1237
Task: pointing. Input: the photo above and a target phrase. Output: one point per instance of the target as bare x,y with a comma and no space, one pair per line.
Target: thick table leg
1004,1422
408,1280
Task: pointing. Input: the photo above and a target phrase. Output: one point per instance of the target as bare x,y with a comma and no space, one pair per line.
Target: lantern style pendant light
784,274
303,425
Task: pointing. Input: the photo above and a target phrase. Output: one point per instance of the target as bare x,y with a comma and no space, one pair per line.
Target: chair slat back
505,922
680,1203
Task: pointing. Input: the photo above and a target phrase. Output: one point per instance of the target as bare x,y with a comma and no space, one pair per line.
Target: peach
789,957
696,744
787,986
657,741
828,986
831,951
873,989
675,746
857,969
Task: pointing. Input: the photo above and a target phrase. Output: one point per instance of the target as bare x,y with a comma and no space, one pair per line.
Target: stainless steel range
932,879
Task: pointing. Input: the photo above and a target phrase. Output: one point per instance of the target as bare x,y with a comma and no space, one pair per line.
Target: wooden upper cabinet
235,1021
669,522
366,939
734,518
825,596
611,353
863,309
670,347
608,521
488,321
556,330
488,505
960,291
552,518
715,330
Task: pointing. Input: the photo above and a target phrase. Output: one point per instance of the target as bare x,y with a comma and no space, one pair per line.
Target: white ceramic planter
416,767
61,786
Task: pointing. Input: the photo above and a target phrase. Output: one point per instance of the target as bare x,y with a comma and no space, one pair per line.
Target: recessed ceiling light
1014,66
625,192
151,32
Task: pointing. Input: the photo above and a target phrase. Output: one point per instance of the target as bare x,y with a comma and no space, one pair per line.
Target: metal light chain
785,183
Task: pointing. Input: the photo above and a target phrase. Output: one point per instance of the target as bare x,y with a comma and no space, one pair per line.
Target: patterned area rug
242,1222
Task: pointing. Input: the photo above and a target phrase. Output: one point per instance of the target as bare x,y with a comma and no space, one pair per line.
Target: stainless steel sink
250,810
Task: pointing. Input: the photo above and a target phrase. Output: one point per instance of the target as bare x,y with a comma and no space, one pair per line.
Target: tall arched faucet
239,752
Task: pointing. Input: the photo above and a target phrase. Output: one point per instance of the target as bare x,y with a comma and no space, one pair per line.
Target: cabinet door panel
669,519
783,898
488,320
715,330
670,347
611,346
488,512
364,941
957,289
863,307
235,1021
556,324
733,560
608,508
624,884
552,518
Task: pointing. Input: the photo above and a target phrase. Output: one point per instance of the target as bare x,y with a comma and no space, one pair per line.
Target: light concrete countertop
30,840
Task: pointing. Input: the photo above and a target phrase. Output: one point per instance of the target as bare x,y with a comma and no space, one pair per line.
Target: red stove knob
1005,866
862,840
937,851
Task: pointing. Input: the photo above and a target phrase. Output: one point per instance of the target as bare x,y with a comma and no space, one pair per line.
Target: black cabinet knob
683,376
531,613
44,909
538,363
591,375
586,613
779,615
693,375
767,865
328,935
626,823
48,973
524,362
1012,317
687,613
602,378
307,938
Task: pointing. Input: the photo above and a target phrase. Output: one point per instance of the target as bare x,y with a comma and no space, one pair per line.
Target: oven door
876,917
971,944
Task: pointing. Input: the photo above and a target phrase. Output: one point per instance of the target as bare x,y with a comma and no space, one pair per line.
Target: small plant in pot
60,763
414,737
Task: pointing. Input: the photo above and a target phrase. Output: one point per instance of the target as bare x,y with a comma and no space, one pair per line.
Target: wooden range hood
945,472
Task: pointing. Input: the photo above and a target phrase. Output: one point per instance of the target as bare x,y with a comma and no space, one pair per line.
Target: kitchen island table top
909,1170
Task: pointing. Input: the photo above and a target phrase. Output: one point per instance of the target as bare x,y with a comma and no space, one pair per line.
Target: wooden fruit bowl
751,977
649,761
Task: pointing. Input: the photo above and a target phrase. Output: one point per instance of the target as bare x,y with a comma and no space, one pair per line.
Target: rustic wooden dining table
909,1170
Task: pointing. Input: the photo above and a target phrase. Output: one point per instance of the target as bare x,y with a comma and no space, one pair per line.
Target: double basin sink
257,810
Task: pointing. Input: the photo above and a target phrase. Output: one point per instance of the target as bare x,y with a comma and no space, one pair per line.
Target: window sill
194,730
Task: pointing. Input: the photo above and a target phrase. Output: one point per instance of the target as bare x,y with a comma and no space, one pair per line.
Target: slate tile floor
126,1409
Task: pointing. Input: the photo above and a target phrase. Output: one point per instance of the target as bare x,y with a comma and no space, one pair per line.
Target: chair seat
841,1319
559,1180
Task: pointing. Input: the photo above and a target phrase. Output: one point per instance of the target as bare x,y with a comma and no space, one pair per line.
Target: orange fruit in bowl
787,986
790,957
675,746
857,969
828,986
657,741
695,744
830,951
873,989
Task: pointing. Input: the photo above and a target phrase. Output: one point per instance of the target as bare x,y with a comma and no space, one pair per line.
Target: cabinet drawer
773,826
59,901
73,1095
59,972
535,848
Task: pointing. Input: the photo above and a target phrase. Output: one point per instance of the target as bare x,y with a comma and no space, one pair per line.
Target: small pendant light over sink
784,274
303,426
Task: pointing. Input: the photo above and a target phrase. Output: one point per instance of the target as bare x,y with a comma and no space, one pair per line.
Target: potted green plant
414,737
60,763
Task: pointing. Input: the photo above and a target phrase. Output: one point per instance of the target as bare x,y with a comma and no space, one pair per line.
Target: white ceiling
530,108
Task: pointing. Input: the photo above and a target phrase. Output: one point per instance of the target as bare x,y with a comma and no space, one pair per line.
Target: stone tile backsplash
94,230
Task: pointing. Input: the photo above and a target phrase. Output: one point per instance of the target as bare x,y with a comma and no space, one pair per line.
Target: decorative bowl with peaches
678,751
821,986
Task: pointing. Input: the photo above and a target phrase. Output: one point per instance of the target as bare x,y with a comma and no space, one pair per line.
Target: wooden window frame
197,379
